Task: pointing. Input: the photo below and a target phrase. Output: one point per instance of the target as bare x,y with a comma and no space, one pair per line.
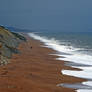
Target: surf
73,55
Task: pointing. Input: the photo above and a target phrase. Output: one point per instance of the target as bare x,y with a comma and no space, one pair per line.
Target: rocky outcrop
9,42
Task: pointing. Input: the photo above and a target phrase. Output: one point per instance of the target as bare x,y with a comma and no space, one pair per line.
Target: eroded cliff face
9,42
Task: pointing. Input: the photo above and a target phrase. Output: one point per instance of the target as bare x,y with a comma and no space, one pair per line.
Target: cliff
9,42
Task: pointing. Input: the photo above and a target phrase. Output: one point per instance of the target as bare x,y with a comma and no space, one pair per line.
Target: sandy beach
34,70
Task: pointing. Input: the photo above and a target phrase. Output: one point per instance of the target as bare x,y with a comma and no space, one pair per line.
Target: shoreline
34,70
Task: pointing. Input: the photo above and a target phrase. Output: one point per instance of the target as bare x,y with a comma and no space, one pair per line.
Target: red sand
34,71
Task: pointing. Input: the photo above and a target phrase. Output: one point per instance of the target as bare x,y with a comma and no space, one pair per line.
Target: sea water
75,47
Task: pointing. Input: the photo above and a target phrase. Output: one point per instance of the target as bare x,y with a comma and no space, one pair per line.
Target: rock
9,41
19,36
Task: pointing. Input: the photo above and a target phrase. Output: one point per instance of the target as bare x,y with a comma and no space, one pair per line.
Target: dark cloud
65,15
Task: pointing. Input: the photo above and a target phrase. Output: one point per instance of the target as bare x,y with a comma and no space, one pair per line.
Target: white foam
81,74
89,83
75,56
78,58
54,44
84,90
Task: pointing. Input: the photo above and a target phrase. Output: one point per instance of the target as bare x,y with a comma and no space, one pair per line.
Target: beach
35,70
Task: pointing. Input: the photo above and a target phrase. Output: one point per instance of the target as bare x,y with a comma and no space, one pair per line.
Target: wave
70,54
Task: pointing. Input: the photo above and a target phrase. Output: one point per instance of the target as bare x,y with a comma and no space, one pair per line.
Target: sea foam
70,54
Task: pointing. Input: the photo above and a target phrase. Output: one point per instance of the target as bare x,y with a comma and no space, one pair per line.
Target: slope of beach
34,70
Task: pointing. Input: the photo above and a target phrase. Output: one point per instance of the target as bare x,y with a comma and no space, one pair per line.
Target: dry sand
34,70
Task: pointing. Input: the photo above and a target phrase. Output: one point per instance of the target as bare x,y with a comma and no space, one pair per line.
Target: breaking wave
80,59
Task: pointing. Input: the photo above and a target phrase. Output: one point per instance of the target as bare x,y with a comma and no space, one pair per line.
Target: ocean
76,48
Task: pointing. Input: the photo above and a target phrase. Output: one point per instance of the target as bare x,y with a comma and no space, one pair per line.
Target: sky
63,15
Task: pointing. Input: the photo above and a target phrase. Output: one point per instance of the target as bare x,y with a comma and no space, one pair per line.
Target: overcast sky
64,15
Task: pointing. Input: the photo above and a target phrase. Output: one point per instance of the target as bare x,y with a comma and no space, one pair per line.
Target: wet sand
34,70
